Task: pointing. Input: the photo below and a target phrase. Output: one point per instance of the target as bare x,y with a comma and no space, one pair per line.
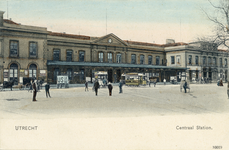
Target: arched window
119,58
109,56
133,59
81,56
14,72
142,59
33,71
100,56
69,55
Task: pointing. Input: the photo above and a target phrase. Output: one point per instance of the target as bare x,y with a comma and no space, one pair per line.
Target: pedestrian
110,87
96,87
34,85
185,86
120,86
164,81
86,86
47,87
155,82
149,83
221,83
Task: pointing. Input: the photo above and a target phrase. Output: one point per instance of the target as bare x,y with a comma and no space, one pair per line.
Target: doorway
110,76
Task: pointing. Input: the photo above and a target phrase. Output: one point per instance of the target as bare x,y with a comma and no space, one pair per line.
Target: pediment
110,39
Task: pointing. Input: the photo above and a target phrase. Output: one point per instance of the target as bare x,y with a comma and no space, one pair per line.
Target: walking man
120,86
110,87
47,87
96,87
149,83
185,86
86,86
34,90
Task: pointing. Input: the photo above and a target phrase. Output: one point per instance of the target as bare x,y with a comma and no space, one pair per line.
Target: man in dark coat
86,86
185,86
110,87
96,87
47,87
34,90
120,86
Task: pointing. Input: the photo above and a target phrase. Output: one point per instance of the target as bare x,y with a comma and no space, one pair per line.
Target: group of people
35,89
96,86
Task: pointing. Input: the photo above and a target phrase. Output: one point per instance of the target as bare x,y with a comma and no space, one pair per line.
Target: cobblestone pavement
135,101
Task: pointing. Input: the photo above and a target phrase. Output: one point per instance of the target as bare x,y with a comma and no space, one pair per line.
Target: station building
29,51
203,59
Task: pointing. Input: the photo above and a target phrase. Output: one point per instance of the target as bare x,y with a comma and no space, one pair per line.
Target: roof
174,44
10,22
141,43
223,50
81,37
96,64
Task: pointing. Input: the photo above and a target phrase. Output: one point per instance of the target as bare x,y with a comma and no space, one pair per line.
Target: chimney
1,18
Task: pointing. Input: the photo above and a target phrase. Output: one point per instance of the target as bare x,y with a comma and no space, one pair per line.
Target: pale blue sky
139,20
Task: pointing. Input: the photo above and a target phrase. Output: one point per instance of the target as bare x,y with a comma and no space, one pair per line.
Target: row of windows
56,57
211,61
14,49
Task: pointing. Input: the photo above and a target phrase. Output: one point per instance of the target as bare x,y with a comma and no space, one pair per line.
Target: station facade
35,52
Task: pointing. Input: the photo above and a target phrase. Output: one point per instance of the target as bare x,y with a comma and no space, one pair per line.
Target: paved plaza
134,101
140,118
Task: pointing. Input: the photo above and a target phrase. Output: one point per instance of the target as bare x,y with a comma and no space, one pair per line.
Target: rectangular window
142,59
119,58
81,56
178,59
133,59
209,60
150,60
190,59
14,48
221,62
172,60
56,55
204,60
157,60
69,55
214,61
225,61
100,56
109,56
197,60
32,49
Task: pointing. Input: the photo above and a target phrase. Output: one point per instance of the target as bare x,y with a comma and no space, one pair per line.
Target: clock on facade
109,40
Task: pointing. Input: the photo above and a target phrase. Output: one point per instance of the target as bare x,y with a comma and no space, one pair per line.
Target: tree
220,17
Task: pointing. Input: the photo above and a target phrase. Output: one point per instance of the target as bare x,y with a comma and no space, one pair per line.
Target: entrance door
110,77
14,73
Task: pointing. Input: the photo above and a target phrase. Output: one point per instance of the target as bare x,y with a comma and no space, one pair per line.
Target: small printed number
217,147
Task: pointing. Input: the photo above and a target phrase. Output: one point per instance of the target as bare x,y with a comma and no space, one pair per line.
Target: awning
117,65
